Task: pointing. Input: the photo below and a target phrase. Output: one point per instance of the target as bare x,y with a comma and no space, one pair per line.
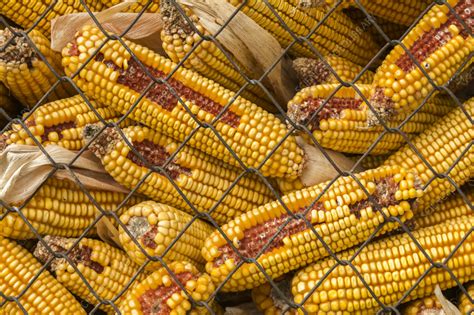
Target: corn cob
58,208
343,216
341,125
106,269
453,207
137,6
441,146
315,71
178,39
466,306
390,266
159,293
60,122
155,226
336,35
25,13
201,178
269,301
440,44
402,12
429,305
44,296
116,79
24,73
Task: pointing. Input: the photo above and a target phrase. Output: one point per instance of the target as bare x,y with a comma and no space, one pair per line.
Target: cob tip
17,51
100,140
57,244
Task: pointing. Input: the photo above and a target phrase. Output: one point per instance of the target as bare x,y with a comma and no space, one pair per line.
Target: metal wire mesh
244,170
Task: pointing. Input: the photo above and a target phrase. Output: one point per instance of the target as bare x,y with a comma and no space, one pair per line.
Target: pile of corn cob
214,200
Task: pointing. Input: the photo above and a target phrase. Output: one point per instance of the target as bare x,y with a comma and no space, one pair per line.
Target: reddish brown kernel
138,80
58,129
258,236
432,40
148,239
79,254
157,156
153,301
302,113
74,50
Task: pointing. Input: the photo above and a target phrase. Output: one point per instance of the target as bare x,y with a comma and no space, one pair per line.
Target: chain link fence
362,30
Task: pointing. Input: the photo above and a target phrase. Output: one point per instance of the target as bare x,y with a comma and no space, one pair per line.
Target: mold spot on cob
251,132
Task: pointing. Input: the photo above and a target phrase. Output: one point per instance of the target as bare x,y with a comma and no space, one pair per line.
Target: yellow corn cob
314,71
342,216
440,44
336,35
138,6
26,12
453,207
393,30
207,59
269,301
342,123
60,122
59,208
402,12
465,304
155,226
106,269
45,295
425,306
159,293
202,179
25,74
116,79
390,266
441,146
